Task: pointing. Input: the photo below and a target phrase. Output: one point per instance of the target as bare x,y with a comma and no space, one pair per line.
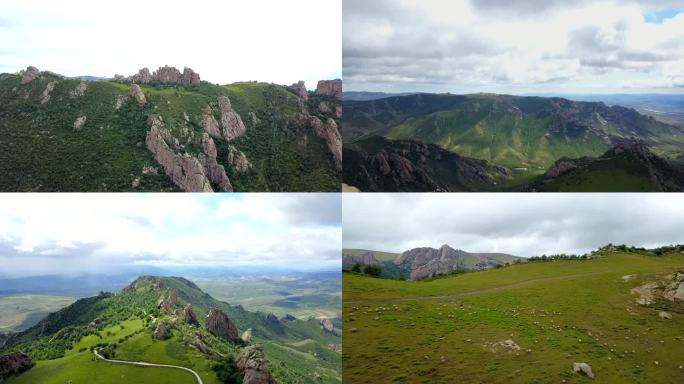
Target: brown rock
167,74
209,123
45,96
190,77
161,332
138,94
29,74
214,171
237,160
220,325
173,296
231,123
252,365
142,77
13,363
189,315
331,88
299,88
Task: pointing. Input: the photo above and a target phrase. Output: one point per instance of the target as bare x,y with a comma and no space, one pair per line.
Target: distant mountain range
420,263
490,142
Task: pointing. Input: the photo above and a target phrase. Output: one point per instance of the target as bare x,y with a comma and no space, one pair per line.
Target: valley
620,311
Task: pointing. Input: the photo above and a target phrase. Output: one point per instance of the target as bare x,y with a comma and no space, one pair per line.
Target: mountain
166,131
627,167
420,263
362,96
379,164
170,320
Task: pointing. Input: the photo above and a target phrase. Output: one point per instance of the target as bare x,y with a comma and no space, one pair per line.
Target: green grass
562,312
20,311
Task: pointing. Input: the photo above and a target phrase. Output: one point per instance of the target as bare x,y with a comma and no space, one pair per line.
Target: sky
94,233
514,46
527,224
224,41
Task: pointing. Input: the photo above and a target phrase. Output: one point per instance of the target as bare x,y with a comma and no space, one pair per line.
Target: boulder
219,324
664,315
13,363
674,291
231,123
137,94
583,368
237,160
79,122
647,293
247,336
331,88
327,325
161,332
79,90
29,74
189,316
299,88
45,96
119,101
252,365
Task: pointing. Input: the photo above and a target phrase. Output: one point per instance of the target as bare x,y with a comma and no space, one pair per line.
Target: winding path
146,364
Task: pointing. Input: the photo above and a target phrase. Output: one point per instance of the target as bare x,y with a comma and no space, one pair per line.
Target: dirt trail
475,292
146,364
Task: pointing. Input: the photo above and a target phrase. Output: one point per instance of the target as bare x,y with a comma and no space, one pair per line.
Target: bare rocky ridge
231,123
215,171
219,324
325,130
29,74
13,363
165,74
366,258
331,88
299,88
252,365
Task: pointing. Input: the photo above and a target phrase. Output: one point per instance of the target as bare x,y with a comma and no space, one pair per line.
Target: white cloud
224,41
80,232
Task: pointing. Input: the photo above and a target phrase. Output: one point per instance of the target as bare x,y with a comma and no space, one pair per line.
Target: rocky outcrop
426,262
564,165
142,77
247,336
29,74
200,343
165,305
119,101
161,332
14,363
674,291
137,94
79,90
45,96
173,296
165,74
324,108
209,123
189,316
338,112
271,317
331,88
365,258
327,325
184,170
664,315
252,365
583,368
288,317
335,347
219,324
214,171
237,160
231,123
190,77
80,121
299,89
327,131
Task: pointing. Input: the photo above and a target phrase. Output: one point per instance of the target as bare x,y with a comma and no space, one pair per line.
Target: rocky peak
189,316
252,365
299,88
219,324
165,74
365,258
29,74
190,77
426,262
231,123
330,88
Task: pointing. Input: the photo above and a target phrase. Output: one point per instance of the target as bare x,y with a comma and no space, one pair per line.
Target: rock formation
214,171
237,160
299,88
671,289
137,94
14,363
161,332
583,368
219,324
142,77
165,74
247,336
665,315
366,258
425,262
184,170
231,123
331,88
323,107
165,305
338,112
564,165
252,365
29,74
327,325
189,316
190,77
335,347
45,96
79,90
272,318
79,122
119,101
674,291
327,131
288,317
209,123
173,296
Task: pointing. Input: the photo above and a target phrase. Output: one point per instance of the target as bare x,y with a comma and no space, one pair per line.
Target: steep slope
170,320
379,164
162,131
627,167
512,131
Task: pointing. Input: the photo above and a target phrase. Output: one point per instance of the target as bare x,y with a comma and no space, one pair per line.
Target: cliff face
331,88
220,325
165,74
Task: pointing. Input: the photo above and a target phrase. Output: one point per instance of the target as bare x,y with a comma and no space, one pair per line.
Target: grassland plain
446,330
21,311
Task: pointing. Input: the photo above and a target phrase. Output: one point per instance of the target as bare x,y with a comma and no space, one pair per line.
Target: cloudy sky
224,41
519,224
514,46
102,233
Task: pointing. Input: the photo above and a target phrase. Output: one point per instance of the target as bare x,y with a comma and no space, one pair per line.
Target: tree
356,268
372,270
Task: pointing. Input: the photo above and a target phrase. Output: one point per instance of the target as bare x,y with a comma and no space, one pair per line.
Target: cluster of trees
560,256
368,269
227,371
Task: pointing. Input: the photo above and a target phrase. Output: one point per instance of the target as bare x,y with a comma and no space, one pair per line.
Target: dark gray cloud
521,224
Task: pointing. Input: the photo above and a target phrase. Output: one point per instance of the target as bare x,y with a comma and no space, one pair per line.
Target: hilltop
620,312
166,130
169,320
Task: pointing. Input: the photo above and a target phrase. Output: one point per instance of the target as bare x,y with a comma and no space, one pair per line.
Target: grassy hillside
43,151
558,312
381,256
22,311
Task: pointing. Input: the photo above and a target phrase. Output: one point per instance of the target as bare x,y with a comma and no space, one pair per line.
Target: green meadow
21,311
449,329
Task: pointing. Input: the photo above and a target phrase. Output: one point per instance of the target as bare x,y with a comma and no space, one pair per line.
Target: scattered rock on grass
583,368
